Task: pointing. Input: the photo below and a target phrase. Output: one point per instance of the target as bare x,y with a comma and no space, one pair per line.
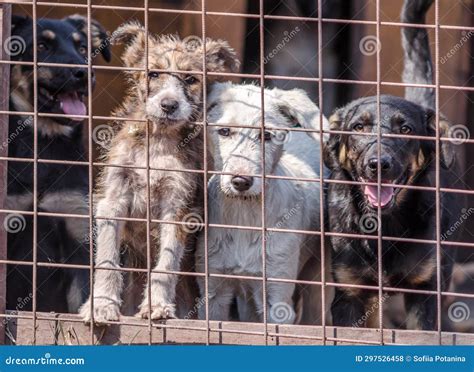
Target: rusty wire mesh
262,77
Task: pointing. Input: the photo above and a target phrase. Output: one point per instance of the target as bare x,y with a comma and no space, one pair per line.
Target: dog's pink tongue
72,105
386,194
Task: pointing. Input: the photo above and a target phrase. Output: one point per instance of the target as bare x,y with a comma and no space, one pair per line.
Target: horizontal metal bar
271,177
240,227
277,332
238,277
246,75
240,15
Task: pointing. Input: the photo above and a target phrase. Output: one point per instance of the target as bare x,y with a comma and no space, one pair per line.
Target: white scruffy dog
235,198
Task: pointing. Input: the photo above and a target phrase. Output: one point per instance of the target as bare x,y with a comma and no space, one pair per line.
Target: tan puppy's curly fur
171,103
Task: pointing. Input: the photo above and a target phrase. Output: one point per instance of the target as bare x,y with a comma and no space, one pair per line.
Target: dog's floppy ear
220,57
99,37
132,34
447,151
21,26
300,111
19,21
335,153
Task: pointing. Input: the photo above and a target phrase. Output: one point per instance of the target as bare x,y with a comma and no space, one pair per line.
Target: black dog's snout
242,183
385,163
169,105
80,74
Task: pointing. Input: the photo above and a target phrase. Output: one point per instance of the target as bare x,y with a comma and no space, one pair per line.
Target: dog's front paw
105,311
158,311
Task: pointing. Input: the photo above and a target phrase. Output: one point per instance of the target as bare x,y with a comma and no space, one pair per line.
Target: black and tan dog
406,213
60,188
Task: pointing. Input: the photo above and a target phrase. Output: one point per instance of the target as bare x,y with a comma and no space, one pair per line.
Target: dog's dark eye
224,132
82,49
42,47
153,74
267,135
358,127
190,79
405,129
211,107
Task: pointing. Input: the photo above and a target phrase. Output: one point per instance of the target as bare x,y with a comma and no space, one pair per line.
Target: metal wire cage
25,327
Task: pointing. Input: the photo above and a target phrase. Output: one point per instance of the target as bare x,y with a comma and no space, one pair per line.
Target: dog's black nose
80,73
169,105
242,183
385,163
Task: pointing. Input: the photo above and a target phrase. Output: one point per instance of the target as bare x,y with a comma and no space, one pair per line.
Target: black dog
406,213
60,188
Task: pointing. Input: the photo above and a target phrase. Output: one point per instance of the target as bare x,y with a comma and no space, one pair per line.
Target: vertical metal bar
379,179
148,216
437,170
321,170
90,167
35,169
205,167
5,27
262,141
